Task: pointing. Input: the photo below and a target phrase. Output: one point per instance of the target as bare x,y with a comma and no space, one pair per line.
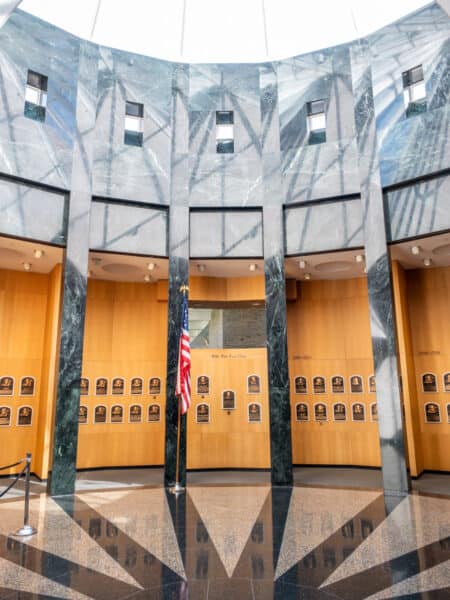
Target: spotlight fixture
147,278
252,267
359,258
427,262
415,250
38,253
201,268
302,264
27,266
151,266
307,276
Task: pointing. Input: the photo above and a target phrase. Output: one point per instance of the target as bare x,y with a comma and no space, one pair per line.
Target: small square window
134,124
414,91
224,132
316,122
35,96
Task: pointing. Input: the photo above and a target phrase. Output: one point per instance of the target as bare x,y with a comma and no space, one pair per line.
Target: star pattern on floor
228,542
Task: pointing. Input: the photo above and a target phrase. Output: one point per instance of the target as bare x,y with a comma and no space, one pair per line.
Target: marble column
63,470
277,356
178,265
379,279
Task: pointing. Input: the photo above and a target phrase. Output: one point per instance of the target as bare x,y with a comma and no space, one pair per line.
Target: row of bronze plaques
319,384
24,415
253,385
430,382
118,386
203,412
117,415
27,386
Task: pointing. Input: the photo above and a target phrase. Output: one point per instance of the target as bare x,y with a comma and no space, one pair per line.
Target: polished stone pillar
277,356
63,470
379,279
178,265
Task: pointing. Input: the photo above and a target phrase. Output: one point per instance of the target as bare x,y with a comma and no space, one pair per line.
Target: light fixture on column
302,264
27,266
307,276
427,262
151,266
38,253
252,267
415,250
147,278
201,267
359,258
365,269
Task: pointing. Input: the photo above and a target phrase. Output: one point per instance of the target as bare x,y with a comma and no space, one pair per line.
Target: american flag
183,389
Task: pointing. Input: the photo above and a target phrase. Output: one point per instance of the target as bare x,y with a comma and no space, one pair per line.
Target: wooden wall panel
229,440
125,336
329,334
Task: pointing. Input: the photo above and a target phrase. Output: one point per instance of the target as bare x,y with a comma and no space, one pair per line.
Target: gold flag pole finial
184,289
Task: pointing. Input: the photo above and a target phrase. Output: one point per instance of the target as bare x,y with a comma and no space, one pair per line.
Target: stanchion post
27,529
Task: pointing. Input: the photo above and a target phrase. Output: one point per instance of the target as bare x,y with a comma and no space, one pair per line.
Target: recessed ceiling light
27,266
201,268
359,258
302,264
427,262
151,266
415,250
38,253
252,267
307,276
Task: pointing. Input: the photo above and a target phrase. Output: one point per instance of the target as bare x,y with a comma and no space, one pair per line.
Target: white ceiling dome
218,30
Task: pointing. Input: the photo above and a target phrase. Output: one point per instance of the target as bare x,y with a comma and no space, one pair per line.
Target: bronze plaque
432,412
253,384
5,416
27,386
372,384
300,385
136,385
82,414
154,386
154,413
6,386
118,386
101,386
319,385
117,413
301,412
337,384
228,400
135,413
202,413
320,412
100,414
356,384
203,384
84,386
374,411
429,383
448,413
446,382
340,412
254,412
25,415
358,412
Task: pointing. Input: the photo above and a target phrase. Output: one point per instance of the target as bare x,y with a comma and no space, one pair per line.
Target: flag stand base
177,489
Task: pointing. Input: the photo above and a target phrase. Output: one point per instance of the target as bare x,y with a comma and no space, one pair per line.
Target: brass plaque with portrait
446,379
27,386
202,412
319,385
117,413
82,414
372,384
25,415
254,412
135,413
154,413
84,386
300,385
228,400
118,386
356,384
154,386
448,413
358,412
320,412
301,412
340,412
432,412
374,411
136,385
337,384
429,382
253,384
203,384
100,414
101,387
5,416
6,386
